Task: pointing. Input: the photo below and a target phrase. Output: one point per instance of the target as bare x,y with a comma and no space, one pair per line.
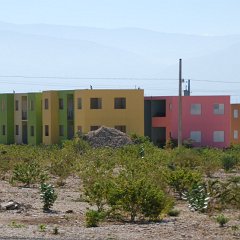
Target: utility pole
180,105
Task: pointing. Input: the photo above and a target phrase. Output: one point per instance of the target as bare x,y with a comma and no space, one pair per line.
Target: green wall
7,118
62,113
35,118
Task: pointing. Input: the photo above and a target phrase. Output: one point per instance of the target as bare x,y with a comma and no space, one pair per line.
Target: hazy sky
182,16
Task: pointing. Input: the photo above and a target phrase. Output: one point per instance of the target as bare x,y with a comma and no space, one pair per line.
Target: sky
198,17
204,17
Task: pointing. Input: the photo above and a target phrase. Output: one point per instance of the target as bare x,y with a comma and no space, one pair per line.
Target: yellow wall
50,117
132,116
235,123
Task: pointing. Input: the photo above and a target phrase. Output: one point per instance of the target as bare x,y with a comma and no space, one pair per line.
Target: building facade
235,123
64,113
6,118
120,109
205,119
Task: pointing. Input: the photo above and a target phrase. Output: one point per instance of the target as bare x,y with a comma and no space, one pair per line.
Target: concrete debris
108,137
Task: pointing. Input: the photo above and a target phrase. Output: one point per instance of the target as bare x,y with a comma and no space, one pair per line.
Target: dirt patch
26,224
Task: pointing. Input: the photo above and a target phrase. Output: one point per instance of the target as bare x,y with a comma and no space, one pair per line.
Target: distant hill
51,50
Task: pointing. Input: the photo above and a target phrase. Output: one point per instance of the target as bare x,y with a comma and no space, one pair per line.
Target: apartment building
205,119
27,118
6,118
235,123
64,113
120,109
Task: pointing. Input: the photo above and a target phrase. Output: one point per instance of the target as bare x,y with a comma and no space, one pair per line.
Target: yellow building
50,133
64,113
120,109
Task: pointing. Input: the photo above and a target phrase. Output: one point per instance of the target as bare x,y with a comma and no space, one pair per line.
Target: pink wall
207,122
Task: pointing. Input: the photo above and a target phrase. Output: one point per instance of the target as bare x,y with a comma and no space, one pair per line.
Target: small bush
28,173
222,220
182,179
42,227
48,196
174,213
229,162
93,218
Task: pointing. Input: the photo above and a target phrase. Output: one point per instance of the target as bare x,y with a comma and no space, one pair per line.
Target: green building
34,118
6,118
65,113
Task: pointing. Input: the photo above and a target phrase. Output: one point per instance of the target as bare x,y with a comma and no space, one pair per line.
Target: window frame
197,139
120,103
95,103
215,135
61,130
122,128
46,103
196,109
60,104
46,130
218,110
79,103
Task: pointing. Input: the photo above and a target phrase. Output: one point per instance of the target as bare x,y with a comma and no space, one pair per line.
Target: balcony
24,115
70,115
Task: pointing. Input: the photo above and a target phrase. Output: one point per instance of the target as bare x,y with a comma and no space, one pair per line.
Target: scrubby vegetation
138,182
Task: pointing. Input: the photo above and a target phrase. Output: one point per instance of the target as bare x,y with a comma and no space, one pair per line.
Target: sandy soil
26,224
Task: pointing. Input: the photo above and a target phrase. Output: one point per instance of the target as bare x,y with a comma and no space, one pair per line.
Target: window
17,130
218,136
196,136
120,103
31,105
3,130
121,128
60,103
218,109
61,130
46,103
235,113
3,105
95,103
235,134
196,109
79,103
46,130
79,129
16,105
93,128
32,131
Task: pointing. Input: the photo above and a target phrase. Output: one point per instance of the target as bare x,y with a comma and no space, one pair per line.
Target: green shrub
174,212
138,198
48,196
94,217
222,220
182,179
28,173
228,162
225,194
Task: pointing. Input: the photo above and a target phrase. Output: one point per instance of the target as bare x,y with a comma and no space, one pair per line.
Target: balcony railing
70,115
24,115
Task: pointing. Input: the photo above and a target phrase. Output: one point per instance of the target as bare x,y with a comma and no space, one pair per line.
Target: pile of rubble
107,137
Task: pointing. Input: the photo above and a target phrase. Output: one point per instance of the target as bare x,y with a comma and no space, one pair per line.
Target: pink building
205,119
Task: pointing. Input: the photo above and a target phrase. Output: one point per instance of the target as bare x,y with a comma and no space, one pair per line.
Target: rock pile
107,137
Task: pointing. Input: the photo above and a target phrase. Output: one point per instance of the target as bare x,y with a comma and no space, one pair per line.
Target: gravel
189,225
107,137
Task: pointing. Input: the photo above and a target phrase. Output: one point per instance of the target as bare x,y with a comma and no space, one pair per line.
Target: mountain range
120,58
